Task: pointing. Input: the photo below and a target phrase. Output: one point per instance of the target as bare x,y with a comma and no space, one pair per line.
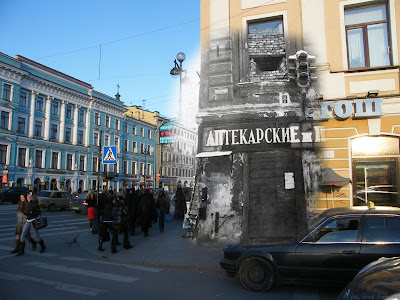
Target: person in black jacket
120,223
31,209
145,211
106,220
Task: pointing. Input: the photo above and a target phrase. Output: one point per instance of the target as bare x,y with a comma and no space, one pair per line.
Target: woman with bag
21,219
91,202
31,209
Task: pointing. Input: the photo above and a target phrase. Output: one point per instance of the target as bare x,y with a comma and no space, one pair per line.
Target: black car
12,194
79,204
340,242
378,280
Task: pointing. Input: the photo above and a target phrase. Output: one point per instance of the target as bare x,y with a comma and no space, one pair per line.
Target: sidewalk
166,249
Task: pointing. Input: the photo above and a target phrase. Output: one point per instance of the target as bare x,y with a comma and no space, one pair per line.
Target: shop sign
4,178
253,136
358,108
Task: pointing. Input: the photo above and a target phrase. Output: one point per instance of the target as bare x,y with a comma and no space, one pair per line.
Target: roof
361,210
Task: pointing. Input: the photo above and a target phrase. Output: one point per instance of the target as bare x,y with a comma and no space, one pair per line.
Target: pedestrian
91,202
106,219
145,211
120,223
132,202
31,209
21,219
121,194
180,204
162,208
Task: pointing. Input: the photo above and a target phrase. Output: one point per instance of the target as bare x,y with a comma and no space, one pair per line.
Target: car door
331,252
381,237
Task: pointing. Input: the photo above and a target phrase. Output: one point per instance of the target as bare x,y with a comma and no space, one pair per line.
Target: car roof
361,210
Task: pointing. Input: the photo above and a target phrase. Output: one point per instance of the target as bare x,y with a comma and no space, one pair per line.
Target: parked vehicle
11,194
54,199
79,204
340,242
378,280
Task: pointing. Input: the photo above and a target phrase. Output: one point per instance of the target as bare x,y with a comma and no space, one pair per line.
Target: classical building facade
53,124
275,145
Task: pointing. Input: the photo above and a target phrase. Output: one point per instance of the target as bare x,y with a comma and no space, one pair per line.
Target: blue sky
139,41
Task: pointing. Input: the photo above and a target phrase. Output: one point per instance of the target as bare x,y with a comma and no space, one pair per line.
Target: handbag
167,217
40,222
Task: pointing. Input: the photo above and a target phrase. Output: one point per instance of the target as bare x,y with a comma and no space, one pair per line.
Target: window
126,128
4,120
106,140
142,132
80,137
68,135
22,99
125,145
81,116
367,36
107,121
21,157
7,92
39,104
94,166
116,142
383,229
96,139
3,154
69,162
142,169
54,132
69,112
38,158
338,230
149,133
142,148
267,50
133,168
81,163
97,118
55,108
116,124
134,130
38,128
125,167
134,147
54,160
21,125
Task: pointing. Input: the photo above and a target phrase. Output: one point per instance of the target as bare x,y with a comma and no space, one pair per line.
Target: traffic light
300,68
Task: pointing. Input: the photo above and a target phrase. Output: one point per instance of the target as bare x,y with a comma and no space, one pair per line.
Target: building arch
20,182
53,184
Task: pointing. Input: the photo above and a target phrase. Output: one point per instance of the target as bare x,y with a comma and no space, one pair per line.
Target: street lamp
177,70
146,152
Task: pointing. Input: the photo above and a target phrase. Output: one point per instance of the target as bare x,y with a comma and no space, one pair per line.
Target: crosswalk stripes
77,271
73,288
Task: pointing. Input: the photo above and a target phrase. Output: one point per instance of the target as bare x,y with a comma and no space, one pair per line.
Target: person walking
120,223
180,204
162,208
91,202
106,219
31,209
21,219
145,211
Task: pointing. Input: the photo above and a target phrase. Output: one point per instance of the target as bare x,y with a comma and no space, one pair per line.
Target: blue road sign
109,155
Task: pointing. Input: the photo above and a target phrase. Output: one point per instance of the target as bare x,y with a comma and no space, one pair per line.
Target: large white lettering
359,108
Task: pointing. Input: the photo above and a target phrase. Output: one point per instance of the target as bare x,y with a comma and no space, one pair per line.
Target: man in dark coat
106,219
145,211
180,204
132,201
120,223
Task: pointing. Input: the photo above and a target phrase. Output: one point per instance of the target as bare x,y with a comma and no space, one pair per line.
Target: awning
213,154
331,178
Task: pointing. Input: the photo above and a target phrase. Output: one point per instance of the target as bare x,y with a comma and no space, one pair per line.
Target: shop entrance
375,162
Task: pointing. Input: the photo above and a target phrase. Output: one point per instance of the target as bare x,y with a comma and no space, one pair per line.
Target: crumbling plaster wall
223,178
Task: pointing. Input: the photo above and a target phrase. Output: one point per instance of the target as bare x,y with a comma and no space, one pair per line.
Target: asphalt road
66,271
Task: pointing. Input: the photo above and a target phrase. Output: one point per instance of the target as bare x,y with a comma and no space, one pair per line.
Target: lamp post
177,70
145,152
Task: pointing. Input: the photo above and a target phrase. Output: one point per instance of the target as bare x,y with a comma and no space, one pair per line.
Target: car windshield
44,194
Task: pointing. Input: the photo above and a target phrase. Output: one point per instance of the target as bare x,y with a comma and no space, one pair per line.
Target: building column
88,128
62,124
76,116
32,115
47,121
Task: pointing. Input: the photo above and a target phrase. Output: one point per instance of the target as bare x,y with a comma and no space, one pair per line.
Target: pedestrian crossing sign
109,155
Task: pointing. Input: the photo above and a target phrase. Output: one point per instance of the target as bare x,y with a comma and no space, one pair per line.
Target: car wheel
51,207
257,274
